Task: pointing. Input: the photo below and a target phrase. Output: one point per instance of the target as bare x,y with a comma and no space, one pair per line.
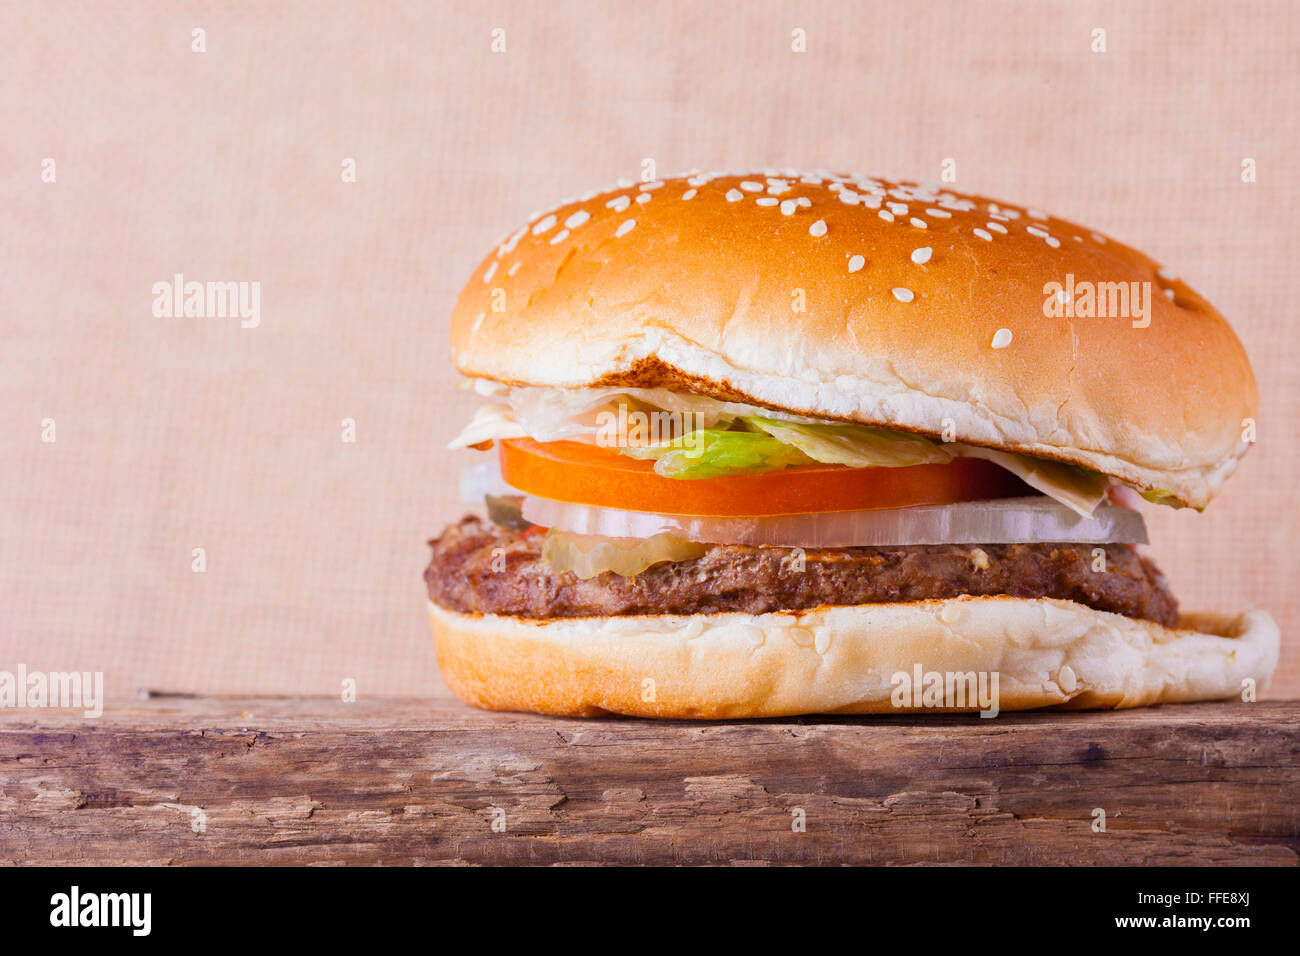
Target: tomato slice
586,474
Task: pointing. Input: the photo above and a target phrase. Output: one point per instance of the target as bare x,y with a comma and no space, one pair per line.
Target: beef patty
757,580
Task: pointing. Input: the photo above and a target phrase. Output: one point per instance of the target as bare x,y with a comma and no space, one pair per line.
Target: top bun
865,300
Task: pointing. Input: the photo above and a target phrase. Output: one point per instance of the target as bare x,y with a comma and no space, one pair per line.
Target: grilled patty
756,580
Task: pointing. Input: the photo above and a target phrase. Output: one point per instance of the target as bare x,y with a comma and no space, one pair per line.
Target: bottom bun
964,654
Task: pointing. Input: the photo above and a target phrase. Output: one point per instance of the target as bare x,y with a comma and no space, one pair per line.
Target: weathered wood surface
175,780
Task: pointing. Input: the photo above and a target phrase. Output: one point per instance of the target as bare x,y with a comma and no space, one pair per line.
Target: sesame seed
1035,231
560,236
624,229
491,271
767,201
984,234
689,194
848,197
1036,214
734,195
750,186
1001,338
646,187
577,219
997,227
922,256
886,215
817,229
904,295
644,198
788,207
478,320
897,208
804,201
939,213
544,225
1053,242
1170,294
919,223
1098,237
618,203
1166,274
856,263
513,269
513,241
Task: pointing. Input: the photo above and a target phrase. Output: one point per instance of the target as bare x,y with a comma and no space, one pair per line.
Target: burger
771,443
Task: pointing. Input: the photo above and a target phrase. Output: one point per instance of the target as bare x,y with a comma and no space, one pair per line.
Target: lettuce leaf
1159,496
854,445
713,453
775,444
490,422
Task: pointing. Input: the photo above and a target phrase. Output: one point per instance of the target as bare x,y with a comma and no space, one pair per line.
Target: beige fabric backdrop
174,434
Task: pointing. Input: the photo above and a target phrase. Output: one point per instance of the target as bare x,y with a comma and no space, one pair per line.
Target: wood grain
173,780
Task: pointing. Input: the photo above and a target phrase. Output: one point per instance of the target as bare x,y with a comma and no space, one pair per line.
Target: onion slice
1026,520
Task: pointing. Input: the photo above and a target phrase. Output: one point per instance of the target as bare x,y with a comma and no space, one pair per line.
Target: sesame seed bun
865,300
843,660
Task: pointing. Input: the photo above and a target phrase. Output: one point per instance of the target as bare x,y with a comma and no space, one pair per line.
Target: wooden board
174,780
